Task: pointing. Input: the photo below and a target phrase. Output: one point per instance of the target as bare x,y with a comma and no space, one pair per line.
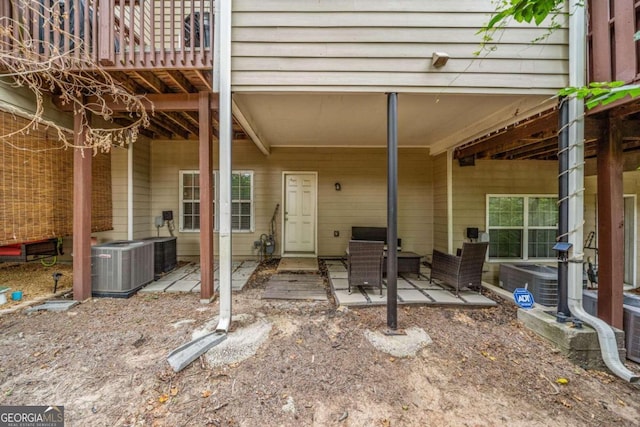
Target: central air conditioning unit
540,280
165,254
120,268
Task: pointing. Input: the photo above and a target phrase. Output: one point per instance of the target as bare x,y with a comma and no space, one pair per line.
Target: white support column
450,201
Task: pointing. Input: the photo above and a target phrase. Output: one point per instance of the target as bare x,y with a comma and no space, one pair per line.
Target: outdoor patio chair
364,263
460,271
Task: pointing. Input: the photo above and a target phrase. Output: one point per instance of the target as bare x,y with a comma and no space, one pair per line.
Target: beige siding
471,184
142,191
119,190
380,45
362,201
143,218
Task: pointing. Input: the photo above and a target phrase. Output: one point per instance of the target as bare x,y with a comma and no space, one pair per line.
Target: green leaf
636,36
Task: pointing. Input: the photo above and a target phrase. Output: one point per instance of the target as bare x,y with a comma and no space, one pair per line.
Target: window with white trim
241,201
522,227
189,201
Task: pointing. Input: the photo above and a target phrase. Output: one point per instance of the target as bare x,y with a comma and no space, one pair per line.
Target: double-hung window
522,227
241,201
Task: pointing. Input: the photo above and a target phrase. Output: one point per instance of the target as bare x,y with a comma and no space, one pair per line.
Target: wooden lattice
36,185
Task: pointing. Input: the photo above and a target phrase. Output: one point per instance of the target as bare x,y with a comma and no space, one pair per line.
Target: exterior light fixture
439,59
338,186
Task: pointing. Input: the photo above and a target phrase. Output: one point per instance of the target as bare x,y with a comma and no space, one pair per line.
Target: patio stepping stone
444,297
475,298
413,296
183,286
158,286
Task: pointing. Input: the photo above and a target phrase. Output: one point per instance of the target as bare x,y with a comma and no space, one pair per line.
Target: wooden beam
205,78
179,80
610,227
206,198
150,80
81,213
182,122
508,139
159,102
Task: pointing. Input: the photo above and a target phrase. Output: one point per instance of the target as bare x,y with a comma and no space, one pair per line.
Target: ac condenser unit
632,332
120,268
165,254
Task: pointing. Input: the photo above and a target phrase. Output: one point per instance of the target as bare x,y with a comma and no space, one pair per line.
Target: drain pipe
577,62
225,140
563,209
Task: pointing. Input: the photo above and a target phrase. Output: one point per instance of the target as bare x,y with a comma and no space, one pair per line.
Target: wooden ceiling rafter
206,78
181,121
508,138
180,81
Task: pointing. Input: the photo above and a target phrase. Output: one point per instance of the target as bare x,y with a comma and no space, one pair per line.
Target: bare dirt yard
105,361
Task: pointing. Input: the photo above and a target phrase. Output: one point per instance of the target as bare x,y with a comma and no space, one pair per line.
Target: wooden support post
610,226
206,198
82,159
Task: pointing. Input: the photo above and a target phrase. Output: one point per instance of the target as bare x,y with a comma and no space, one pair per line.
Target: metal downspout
577,66
225,139
563,208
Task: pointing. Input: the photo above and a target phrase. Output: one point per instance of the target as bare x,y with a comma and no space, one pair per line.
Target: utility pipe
225,139
392,211
577,66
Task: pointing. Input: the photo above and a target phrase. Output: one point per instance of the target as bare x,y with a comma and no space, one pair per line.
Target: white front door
299,213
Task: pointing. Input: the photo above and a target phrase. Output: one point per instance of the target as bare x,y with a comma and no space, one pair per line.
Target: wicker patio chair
460,271
364,263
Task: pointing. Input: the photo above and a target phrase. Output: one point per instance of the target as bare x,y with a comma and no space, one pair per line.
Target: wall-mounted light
338,186
439,59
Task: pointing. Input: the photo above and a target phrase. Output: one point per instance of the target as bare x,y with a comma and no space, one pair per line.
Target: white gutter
577,66
225,137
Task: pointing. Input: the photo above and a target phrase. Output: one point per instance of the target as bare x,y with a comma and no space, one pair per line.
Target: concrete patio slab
158,286
444,297
336,267
187,278
343,297
340,274
339,283
183,286
413,296
403,284
476,298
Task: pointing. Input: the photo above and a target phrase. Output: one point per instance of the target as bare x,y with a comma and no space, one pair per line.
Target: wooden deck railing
119,34
613,52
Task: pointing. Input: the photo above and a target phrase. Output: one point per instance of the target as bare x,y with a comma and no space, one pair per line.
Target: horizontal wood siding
382,46
362,200
119,194
142,214
471,184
